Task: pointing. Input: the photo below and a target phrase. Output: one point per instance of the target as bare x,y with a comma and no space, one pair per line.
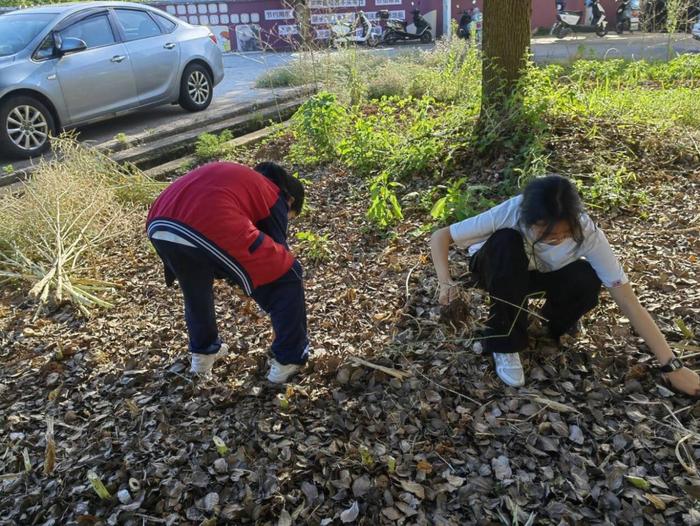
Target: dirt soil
593,437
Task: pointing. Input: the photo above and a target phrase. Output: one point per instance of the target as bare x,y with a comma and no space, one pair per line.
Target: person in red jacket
228,221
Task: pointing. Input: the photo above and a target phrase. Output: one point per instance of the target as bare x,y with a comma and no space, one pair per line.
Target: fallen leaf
413,487
424,466
285,519
655,501
350,514
638,482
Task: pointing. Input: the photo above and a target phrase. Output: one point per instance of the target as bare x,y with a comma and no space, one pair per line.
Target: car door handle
118,58
169,45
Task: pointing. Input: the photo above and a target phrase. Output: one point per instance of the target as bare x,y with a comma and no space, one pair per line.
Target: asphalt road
648,46
243,69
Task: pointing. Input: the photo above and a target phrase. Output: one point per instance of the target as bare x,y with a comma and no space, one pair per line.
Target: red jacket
236,210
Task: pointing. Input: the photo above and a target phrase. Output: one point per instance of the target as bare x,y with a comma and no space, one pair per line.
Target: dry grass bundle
54,232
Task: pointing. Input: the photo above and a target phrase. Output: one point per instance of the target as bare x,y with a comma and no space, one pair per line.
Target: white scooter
359,30
568,22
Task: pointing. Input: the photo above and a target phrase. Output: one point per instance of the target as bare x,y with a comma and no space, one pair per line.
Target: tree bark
506,39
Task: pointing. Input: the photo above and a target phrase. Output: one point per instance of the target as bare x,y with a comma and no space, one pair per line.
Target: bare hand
685,381
448,291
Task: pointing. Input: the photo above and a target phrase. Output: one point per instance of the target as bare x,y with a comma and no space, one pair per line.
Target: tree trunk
506,38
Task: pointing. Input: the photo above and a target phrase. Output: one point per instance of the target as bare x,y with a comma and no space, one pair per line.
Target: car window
137,24
46,49
95,31
18,30
167,24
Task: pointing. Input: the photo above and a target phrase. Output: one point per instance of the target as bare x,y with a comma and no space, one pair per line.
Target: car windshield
19,29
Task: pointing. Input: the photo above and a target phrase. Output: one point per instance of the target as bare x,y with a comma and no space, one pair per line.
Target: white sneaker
280,373
509,369
202,363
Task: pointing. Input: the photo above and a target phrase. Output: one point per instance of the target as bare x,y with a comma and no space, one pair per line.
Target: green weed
214,147
315,247
419,117
459,202
612,188
384,209
121,138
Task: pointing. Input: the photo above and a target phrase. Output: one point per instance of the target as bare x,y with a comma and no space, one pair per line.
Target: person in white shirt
542,242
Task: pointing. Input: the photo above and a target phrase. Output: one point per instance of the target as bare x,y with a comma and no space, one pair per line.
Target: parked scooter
695,31
397,30
568,22
358,31
627,18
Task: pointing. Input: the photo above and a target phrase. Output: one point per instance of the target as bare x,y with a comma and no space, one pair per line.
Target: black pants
501,268
283,300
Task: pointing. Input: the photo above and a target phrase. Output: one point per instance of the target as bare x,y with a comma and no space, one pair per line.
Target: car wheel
196,88
25,127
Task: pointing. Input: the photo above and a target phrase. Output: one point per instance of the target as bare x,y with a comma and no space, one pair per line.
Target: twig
150,518
683,230
562,408
685,346
690,469
521,307
408,278
401,375
437,384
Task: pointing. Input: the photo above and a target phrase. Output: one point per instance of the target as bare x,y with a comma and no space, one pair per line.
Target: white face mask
556,237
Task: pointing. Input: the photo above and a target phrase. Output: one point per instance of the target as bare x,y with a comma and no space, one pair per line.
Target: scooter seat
579,13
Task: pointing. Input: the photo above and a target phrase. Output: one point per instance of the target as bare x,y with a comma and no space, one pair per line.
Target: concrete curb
157,152
181,165
167,130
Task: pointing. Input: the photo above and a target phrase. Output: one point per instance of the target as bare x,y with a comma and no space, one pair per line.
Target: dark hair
290,186
551,199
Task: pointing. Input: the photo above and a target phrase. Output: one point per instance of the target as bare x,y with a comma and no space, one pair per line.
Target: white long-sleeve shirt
595,249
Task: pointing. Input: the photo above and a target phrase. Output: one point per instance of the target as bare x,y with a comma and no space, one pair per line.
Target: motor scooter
569,22
359,30
397,30
627,17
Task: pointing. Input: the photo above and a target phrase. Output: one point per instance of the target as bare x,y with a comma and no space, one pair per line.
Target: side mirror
71,45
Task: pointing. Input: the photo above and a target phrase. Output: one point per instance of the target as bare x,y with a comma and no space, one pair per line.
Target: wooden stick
401,375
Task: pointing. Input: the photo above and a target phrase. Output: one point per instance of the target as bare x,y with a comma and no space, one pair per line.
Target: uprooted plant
56,231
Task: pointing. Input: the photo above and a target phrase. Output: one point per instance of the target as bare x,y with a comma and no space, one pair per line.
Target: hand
685,380
449,290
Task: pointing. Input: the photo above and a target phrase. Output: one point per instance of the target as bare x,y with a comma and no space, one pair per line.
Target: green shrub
318,128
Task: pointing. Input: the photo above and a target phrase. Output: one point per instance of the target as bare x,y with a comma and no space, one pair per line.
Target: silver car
71,64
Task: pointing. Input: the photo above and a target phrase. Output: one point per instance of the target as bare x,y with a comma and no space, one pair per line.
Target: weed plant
419,116
58,229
